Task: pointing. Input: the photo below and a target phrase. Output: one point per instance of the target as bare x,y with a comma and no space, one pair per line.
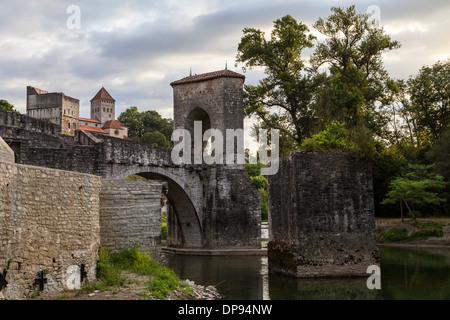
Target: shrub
263,195
426,230
394,234
260,182
110,265
334,137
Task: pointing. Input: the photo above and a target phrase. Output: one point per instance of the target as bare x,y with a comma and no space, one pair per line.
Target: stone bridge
210,206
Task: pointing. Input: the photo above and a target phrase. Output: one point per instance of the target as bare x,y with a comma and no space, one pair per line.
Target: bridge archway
183,213
197,114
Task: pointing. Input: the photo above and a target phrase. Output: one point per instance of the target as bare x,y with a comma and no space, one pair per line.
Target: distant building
103,107
55,107
115,128
91,125
63,110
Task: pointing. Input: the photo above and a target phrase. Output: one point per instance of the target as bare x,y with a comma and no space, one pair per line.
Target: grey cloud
79,62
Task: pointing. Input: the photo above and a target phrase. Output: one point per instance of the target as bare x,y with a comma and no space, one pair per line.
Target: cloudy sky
136,48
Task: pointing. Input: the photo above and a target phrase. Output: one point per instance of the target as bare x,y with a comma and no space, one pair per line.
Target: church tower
103,107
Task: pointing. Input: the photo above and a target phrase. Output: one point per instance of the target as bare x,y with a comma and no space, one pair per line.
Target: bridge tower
231,213
214,98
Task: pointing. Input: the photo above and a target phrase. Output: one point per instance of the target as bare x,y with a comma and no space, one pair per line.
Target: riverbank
402,232
135,288
135,285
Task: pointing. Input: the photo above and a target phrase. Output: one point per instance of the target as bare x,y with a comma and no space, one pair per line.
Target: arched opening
183,224
198,114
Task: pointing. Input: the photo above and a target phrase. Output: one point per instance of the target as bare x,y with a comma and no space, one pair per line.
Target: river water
407,274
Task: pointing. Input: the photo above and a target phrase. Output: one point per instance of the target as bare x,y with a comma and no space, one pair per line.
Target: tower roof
103,95
208,76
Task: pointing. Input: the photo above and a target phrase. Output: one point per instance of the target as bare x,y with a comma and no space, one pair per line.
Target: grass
422,231
110,265
426,230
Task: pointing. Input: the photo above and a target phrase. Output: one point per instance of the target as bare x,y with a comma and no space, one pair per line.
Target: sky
135,49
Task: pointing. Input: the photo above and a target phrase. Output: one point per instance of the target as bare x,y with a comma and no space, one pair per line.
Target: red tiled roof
103,95
208,76
113,124
89,120
93,129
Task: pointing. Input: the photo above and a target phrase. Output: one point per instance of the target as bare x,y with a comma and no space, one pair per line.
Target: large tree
429,105
281,100
356,81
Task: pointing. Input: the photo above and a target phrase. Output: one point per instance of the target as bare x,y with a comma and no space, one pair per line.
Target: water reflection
405,274
415,273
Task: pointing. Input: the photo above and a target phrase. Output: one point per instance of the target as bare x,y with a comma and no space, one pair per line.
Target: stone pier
321,217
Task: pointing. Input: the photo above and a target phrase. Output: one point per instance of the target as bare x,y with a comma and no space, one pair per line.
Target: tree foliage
282,99
334,137
357,80
429,106
418,187
147,126
5,105
343,98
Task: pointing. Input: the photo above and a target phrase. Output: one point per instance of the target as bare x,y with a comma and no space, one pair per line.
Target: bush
107,272
426,230
110,265
394,234
334,137
260,182
263,195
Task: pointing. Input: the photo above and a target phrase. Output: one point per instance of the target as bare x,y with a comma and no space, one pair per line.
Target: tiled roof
208,76
103,95
89,120
93,129
113,124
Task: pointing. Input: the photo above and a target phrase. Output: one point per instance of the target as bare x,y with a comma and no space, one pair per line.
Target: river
407,274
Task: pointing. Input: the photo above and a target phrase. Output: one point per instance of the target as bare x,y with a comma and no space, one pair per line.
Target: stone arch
185,222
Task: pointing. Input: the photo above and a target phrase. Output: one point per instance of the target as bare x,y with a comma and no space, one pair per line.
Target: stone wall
49,221
321,218
233,212
130,213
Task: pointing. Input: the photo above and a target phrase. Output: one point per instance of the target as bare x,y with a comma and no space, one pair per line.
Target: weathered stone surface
130,213
321,218
6,153
48,220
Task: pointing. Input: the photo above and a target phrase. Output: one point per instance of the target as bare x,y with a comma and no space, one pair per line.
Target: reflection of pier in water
406,274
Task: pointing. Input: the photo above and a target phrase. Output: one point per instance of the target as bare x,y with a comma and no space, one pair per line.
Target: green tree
155,139
357,80
144,126
154,122
5,105
440,155
429,105
261,184
418,187
282,99
132,119
334,137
